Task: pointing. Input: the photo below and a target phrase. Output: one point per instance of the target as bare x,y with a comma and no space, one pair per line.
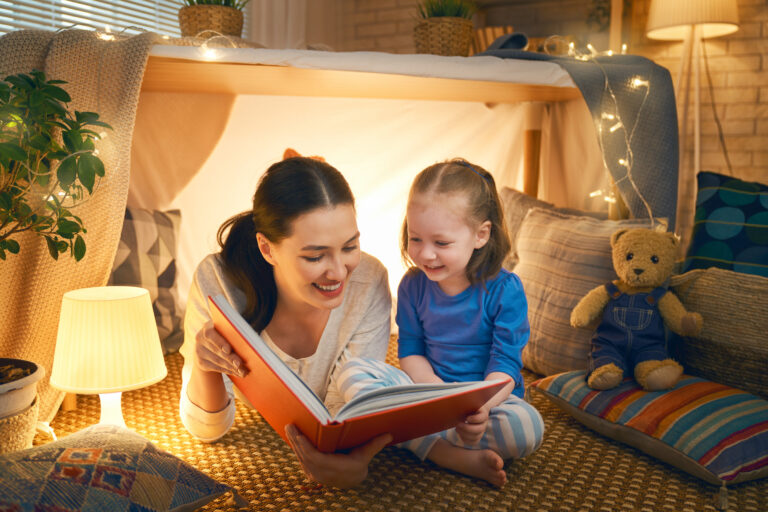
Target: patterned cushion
516,205
102,468
146,257
562,257
730,229
712,431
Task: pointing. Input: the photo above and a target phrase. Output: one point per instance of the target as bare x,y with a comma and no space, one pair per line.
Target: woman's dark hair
288,189
479,187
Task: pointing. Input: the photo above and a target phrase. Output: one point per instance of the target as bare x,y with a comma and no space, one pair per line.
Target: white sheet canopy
206,130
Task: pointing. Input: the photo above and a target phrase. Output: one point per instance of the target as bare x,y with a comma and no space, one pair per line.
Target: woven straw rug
574,470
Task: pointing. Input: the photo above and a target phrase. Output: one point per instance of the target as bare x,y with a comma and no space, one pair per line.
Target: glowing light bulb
622,162
615,127
596,193
638,82
624,48
608,115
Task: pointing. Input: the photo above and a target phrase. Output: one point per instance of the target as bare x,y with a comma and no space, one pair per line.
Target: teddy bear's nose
638,271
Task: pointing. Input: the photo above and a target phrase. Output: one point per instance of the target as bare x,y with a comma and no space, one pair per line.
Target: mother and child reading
293,268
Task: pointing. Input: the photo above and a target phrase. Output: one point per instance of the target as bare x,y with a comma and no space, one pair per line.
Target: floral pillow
101,468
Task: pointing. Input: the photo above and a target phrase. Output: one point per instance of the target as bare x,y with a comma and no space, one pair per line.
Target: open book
405,411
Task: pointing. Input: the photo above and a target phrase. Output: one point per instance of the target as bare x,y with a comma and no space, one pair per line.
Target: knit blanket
102,76
640,153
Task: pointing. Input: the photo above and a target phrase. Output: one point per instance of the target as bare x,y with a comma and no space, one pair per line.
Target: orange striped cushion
711,430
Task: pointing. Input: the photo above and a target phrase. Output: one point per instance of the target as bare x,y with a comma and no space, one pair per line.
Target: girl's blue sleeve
511,331
410,334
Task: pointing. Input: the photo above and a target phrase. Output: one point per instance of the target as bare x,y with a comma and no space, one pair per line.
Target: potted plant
18,407
223,17
48,164
444,27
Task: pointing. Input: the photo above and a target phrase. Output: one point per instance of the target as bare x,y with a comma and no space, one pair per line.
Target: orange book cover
281,397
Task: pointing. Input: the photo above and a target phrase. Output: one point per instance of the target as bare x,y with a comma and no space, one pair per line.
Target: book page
404,394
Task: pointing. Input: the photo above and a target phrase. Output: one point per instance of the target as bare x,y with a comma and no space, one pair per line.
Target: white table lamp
107,343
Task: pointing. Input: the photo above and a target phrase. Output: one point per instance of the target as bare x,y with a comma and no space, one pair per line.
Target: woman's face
312,265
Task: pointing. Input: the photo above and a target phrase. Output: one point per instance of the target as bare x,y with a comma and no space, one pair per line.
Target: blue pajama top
467,336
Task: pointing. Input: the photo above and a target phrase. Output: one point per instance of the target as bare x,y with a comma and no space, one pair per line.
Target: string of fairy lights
609,123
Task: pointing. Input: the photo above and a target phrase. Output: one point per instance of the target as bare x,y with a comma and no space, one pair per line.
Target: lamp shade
670,19
107,341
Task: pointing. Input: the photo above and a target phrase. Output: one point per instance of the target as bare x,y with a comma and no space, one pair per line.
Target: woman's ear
483,234
265,248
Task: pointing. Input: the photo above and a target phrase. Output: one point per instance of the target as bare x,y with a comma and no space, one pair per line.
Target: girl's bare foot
485,464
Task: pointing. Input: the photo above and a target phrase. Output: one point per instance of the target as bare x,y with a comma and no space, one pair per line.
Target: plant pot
210,20
19,386
443,35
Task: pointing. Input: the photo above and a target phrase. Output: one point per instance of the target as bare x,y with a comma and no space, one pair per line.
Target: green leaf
86,171
79,248
2,254
12,151
73,140
5,201
93,163
5,92
57,93
67,171
52,249
40,142
62,245
12,246
67,227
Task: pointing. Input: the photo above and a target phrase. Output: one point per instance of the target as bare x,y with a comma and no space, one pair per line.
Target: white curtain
281,24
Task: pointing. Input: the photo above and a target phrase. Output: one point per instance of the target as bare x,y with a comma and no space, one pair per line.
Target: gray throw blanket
654,143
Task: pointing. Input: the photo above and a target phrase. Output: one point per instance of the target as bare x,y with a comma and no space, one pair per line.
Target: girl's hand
473,427
214,354
341,470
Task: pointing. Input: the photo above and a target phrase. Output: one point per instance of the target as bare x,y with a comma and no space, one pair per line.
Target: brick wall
738,63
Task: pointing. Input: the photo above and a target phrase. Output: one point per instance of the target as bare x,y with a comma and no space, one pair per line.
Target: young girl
461,317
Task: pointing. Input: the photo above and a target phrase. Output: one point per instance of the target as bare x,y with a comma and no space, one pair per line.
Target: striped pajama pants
514,429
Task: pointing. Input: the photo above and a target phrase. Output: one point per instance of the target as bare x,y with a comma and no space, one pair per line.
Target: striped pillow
562,258
712,431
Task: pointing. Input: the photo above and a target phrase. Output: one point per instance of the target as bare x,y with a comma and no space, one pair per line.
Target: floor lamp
690,21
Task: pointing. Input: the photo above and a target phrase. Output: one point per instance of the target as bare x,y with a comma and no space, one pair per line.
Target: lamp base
111,411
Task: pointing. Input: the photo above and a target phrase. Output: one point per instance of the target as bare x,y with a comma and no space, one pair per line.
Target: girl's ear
483,234
265,248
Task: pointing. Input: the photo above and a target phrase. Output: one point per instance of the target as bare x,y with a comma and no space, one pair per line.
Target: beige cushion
562,257
732,347
517,204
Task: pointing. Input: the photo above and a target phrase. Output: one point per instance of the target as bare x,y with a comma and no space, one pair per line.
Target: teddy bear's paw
658,375
691,324
579,317
605,377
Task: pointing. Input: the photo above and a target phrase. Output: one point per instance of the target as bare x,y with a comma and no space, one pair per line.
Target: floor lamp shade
670,19
107,341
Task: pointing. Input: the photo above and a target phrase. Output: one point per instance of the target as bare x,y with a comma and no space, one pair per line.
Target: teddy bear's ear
672,237
616,235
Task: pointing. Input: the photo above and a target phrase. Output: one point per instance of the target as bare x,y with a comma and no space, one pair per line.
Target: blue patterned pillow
712,431
100,468
730,228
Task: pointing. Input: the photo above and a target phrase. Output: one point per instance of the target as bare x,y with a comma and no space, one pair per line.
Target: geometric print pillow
103,468
731,225
146,257
710,430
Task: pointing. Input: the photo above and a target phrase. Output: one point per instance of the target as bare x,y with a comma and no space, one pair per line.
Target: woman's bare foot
485,464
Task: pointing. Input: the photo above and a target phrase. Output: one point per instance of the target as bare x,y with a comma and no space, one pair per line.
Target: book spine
329,436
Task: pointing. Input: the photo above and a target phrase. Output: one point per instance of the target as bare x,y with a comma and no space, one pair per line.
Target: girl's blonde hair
478,186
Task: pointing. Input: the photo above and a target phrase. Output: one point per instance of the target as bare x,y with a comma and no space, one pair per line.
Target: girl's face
312,265
442,239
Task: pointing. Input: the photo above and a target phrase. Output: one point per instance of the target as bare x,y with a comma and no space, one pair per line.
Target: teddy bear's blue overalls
631,331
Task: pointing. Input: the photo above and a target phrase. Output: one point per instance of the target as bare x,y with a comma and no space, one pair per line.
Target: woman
293,268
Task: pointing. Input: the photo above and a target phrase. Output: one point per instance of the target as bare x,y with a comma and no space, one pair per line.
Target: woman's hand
214,354
474,425
341,470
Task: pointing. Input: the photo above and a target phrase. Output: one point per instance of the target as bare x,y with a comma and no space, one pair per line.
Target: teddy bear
633,311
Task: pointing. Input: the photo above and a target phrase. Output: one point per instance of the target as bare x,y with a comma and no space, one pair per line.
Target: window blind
125,17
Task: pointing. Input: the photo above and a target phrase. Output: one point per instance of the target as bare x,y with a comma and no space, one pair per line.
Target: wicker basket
18,431
198,20
443,36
